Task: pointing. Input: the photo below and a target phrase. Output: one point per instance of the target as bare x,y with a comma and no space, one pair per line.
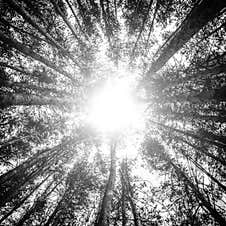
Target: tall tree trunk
200,15
26,86
13,190
182,176
212,32
2,20
214,213
22,71
107,31
202,150
32,161
18,205
131,196
105,208
141,29
29,52
12,181
191,134
151,25
14,140
193,116
187,156
206,96
77,20
52,216
14,4
123,196
37,205
14,99
57,8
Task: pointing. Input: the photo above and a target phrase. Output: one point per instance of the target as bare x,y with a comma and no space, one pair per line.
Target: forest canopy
113,112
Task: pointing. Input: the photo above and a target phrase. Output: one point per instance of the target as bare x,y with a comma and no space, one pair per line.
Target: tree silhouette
56,169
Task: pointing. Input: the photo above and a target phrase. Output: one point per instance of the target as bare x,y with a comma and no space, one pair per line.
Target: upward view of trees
53,167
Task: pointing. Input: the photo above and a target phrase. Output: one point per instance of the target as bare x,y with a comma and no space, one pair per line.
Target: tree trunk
130,196
214,213
123,196
39,155
13,190
107,31
202,150
23,200
182,176
193,116
29,19
3,64
38,204
152,23
21,30
105,208
12,181
199,16
77,20
206,96
187,156
141,29
67,22
52,216
26,86
29,52
14,140
190,134
15,99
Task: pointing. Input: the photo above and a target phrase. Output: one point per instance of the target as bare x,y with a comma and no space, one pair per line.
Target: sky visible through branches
112,112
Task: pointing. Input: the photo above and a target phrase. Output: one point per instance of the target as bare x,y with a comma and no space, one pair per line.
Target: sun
113,108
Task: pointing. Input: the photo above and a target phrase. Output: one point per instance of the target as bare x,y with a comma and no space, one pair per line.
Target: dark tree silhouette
56,168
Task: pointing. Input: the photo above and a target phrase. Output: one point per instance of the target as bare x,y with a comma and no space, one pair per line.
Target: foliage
52,169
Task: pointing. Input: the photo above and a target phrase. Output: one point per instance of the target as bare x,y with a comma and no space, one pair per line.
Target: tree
54,169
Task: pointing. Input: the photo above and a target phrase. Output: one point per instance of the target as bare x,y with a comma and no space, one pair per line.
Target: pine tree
53,170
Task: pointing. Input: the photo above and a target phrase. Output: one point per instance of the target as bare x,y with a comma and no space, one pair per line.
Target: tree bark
190,134
130,196
200,15
50,40
31,87
13,140
141,29
105,208
67,22
187,156
152,23
21,30
203,150
29,52
77,20
23,200
40,163
15,99
54,213
214,213
182,176
206,96
9,192
37,205
20,70
123,196
107,31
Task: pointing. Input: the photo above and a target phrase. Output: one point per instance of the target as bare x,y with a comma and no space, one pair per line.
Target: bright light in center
113,108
